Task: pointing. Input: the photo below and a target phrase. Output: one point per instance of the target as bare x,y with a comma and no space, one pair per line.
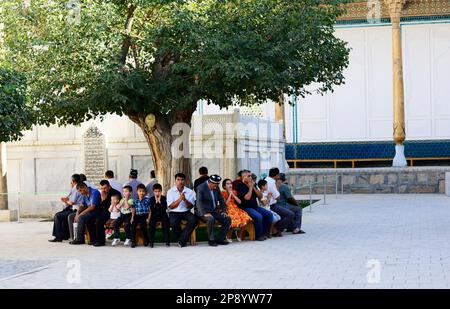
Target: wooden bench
140,240
249,231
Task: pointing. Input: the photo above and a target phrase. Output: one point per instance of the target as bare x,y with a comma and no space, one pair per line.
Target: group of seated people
268,204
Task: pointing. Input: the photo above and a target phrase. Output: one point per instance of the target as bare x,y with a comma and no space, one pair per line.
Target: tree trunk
3,182
157,130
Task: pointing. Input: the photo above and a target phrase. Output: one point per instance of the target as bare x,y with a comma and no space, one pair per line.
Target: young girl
264,202
114,209
239,218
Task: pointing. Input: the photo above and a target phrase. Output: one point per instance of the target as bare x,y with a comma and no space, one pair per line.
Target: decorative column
3,179
395,9
280,116
279,113
6,214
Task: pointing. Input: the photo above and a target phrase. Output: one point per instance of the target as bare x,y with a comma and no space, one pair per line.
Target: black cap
133,173
215,178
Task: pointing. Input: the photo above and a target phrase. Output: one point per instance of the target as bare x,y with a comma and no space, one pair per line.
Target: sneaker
127,242
133,245
108,233
115,242
229,240
237,236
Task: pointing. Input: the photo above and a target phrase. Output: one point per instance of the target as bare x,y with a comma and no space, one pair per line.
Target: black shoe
146,244
168,244
133,245
212,243
98,244
302,232
55,240
261,238
77,242
221,242
181,244
150,245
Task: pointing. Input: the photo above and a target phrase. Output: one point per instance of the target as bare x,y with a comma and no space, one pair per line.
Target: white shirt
272,188
173,194
115,184
115,214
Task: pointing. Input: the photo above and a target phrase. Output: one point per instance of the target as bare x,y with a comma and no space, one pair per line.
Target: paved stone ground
355,241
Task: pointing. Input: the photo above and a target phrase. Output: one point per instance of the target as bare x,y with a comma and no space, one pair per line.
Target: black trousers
142,220
225,223
165,226
126,220
100,221
175,219
87,221
61,225
286,216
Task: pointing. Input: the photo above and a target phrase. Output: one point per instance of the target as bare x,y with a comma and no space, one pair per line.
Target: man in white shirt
286,215
61,229
109,175
180,201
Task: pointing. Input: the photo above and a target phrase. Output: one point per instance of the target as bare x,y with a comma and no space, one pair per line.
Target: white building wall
362,108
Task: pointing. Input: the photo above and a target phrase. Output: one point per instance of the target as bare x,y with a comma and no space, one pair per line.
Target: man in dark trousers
208,196
180,201
203,171
87,212
106,192
60,223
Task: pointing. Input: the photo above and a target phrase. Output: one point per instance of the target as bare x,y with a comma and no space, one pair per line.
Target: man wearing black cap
133,183
208,196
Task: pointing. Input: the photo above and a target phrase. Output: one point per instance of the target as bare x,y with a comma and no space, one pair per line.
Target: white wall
362,110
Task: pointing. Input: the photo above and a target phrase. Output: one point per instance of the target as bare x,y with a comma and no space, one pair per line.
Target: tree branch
127,40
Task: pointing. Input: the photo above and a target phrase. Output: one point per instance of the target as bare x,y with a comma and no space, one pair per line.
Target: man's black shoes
77,242
55,240
212,243
221,242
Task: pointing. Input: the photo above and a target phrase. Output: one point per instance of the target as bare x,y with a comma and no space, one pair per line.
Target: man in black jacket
208,195
203,171
106,192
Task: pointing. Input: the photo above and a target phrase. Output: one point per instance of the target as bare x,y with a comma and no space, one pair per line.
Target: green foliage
178,52
15,114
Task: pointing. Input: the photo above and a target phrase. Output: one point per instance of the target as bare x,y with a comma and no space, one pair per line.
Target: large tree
153,60
16,115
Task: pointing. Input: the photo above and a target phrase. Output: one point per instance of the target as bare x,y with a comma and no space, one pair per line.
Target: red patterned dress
237,215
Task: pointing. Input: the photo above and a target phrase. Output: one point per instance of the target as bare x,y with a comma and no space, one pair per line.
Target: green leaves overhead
176,53
15,114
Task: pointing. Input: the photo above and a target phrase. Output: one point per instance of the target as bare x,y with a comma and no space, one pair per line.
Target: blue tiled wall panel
366,150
